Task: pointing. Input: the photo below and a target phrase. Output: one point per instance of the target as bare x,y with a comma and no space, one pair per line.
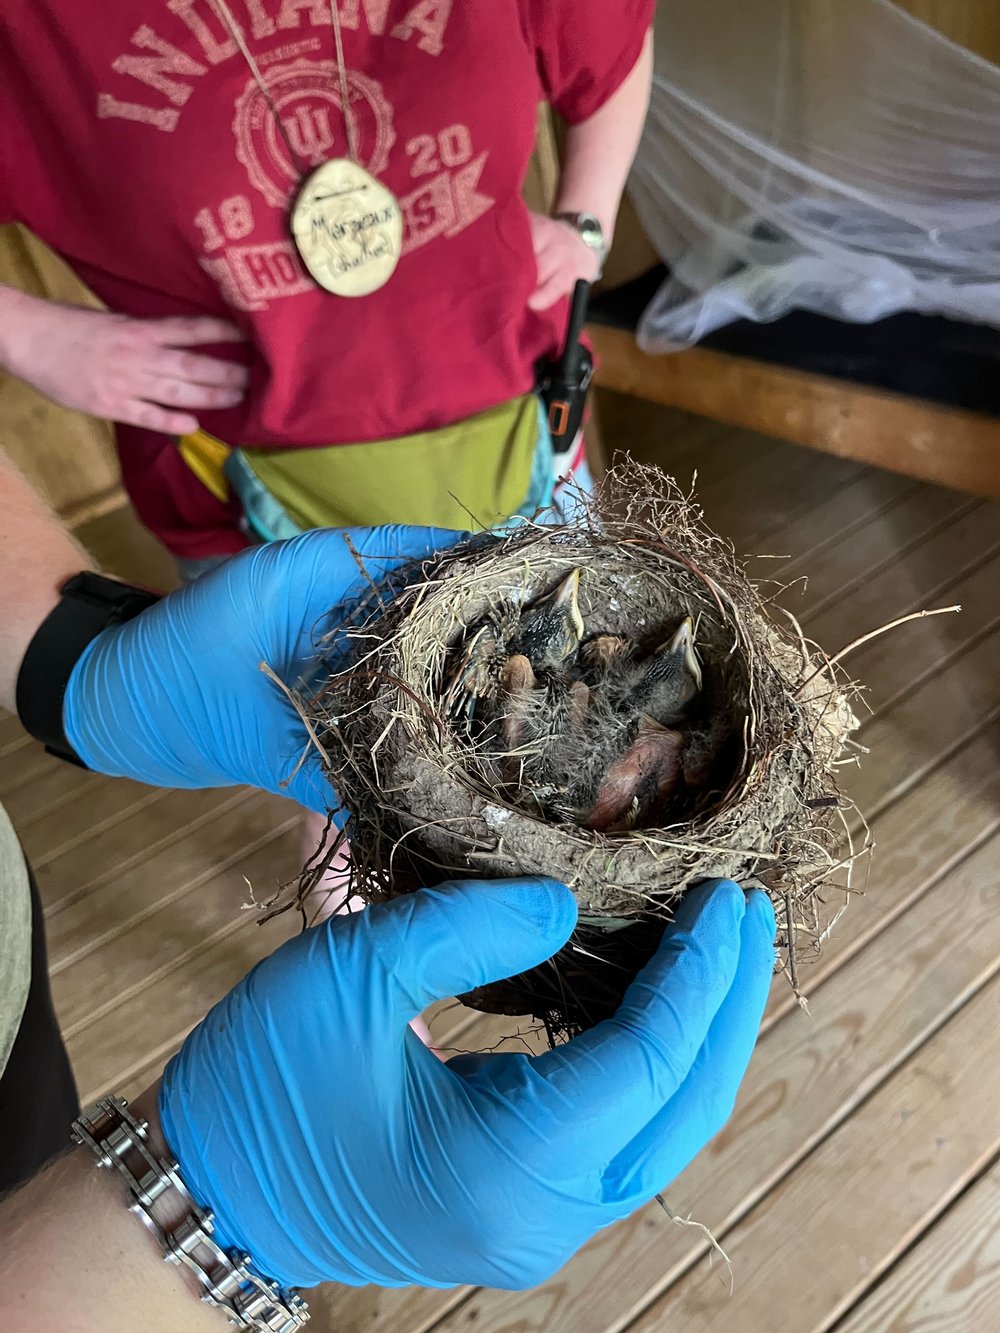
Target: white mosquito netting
831,155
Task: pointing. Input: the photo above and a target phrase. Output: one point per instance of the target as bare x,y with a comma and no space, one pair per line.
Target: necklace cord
345,95
239,37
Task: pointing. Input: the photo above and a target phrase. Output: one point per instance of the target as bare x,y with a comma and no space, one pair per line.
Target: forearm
73,1259
37,555
599,151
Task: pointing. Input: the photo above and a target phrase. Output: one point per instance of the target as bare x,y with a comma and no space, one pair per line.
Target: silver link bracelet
227,1279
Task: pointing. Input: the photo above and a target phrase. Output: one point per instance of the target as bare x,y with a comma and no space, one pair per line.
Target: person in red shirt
158,145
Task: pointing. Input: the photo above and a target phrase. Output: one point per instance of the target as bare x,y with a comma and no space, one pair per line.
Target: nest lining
423,793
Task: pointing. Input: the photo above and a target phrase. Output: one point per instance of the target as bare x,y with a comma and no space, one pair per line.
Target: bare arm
599,153
73,1258
599,150
37,555
138,371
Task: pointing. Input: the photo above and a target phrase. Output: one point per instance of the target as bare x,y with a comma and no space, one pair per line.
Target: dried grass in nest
424,799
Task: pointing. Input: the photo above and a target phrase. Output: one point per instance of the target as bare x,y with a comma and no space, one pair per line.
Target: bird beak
566,599
683,641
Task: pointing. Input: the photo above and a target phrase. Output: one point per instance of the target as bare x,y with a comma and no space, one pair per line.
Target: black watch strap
89,604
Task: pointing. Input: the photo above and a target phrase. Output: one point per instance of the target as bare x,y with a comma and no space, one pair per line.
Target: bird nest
455,754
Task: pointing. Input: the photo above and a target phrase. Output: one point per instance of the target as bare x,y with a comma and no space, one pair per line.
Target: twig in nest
698,1226
793,971
874,634
363,569
307,722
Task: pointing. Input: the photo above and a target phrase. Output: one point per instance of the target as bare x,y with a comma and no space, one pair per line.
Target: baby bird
546,633
551,628
663,685
535,717
644,777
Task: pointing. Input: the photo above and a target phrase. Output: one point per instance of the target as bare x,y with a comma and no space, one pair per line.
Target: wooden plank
108,802
747,507
896,662
203,851
173,924
807,1076
919,840
857,1207
910,738
957,564
849,560
156,1016
759,493
950,1280
87,868
43,785
22,763
920,439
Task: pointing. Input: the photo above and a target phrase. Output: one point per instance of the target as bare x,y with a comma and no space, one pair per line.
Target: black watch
89,604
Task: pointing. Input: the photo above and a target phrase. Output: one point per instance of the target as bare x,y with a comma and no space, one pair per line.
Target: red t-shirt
134,141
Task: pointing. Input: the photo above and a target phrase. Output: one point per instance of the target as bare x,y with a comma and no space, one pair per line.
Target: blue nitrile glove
176,697
333,1145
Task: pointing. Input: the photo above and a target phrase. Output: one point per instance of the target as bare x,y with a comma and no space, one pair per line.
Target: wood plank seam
908,548
956,654
816,977
161,844
18,743
799,511
970,1185
919,775
103,826
812,554
125,924
944,1203
859,1092
166,969
856,1100
48,808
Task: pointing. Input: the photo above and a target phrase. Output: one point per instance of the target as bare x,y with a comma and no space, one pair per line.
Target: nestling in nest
614,704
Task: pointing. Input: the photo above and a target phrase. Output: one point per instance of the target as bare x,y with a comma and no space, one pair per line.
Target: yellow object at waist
477,469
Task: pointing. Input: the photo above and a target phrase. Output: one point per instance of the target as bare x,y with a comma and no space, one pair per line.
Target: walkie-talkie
563,384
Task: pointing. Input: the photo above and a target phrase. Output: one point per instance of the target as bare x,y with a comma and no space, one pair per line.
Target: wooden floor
857,1186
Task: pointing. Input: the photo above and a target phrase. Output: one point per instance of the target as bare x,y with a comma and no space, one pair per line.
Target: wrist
20,316
591,233
119,1137
90,607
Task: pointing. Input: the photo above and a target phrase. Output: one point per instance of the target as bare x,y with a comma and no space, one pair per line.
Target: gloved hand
333,1145
176,697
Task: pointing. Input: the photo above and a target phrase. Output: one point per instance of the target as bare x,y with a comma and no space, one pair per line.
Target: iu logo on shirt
307,97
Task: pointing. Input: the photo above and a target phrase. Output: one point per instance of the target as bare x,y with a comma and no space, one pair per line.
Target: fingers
169,392
193,368
187,331
705,1101
614,1079
464,933
548,293
151,417
164,382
